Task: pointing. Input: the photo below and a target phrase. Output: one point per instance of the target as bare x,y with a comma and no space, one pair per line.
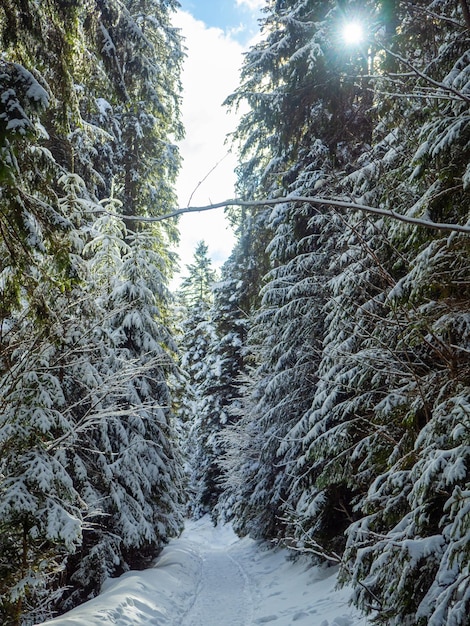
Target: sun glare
353,32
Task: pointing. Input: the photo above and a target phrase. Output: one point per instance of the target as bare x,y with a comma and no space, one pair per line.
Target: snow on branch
441,86
314,200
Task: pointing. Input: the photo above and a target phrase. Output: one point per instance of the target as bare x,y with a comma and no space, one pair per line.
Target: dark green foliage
353,438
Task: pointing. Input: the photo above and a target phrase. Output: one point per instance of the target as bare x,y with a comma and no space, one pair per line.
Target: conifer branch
445,88
466,12
313,200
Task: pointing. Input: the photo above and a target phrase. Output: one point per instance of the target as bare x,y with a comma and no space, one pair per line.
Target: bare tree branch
313,200
420,11
446,88
207,176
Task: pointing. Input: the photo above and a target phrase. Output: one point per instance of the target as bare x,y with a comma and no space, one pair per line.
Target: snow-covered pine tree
132,97
44,236
143,336
220,388
40,245
313,114
367,353
388,420
197,335
407,555
138,504
196,286
39,501
132,468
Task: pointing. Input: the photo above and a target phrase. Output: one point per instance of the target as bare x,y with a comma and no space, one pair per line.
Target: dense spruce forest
317,393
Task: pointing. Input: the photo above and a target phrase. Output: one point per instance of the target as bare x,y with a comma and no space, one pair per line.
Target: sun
353,32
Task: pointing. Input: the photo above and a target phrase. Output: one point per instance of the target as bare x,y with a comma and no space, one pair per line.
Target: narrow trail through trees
210,577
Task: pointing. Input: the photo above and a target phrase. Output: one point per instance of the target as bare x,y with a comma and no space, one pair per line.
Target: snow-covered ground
209,577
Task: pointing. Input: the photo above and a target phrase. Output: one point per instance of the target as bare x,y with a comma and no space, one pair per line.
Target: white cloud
211,73
251,4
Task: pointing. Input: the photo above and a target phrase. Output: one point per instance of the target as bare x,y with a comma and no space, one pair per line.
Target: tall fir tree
220,389
303,98
197,286
72,106
383,421
197,336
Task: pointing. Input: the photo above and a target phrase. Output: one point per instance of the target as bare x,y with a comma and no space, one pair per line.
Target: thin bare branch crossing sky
215,36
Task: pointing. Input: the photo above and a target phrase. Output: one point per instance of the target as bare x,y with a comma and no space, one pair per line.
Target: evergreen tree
39,247
131,101
134,483
313,114
219,389
61,357
416,504
196,287
40,503
196,343
373,442
197,335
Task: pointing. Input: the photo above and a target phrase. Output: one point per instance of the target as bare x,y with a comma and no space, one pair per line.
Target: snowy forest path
223,592
210,577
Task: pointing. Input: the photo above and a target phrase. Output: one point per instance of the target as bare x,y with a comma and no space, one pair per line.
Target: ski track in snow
223,595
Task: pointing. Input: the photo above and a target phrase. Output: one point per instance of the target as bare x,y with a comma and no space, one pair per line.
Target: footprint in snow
300,615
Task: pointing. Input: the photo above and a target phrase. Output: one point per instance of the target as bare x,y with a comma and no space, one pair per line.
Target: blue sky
238,18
